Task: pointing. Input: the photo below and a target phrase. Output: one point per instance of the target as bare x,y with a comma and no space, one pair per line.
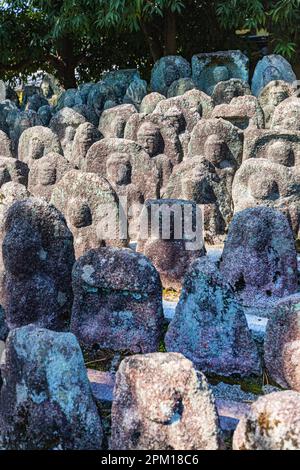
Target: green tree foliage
280,17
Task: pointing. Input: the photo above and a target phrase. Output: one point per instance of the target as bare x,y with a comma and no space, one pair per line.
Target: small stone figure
271,96
37,142
45,173
38,257
270,68
259,259
171,236
166,71
210,327
118,302
86,135
46,400
169,404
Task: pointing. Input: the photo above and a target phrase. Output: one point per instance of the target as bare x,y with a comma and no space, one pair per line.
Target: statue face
149,138
215,150
36,148
281,152
221,74
119,169
79,213
45,87
46,174
21,174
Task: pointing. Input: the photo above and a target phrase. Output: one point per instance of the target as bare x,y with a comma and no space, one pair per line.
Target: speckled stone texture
231,135
259,259
117,301
90,206
272,424
166,71
181,86
38,256
3,326
282,343
243,112
260,182
270,68
208,184
211,68
224,92
5,145
37,142
45,173
113,121
210,327
64,124
86,135
287,115
159,239
276,146
46,401
13,170
272,95
162,403
150,102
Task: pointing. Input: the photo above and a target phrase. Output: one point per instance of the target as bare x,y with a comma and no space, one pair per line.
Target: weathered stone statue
211,68
113,121
272,424
118,302
171,236
166,71
37,142
91,208
5,145
170,406
13,170
270,68
225,91
276,146
243,112
46,400
263,182
259,259
271,96
45,173
282,343
286,116
226,132
64,125
86,135
210,327
38,257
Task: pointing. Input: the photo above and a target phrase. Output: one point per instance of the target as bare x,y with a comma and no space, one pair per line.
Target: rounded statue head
215,149
79,213
36,148
176,119
46,172
149,137
46,88
221,74
118,169
282,153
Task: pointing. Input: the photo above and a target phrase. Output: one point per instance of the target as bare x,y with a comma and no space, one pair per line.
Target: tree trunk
65,63
170,31
153,41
